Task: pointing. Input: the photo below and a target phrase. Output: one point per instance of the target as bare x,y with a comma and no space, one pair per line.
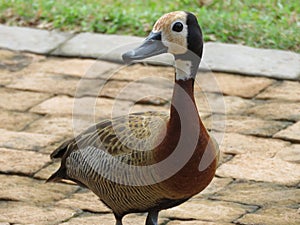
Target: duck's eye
177,27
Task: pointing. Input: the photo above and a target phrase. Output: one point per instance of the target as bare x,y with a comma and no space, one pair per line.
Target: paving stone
286,90
236,105
84,200
140,72
201,209
56,125
247,125
20,100
215,185
16,120
233,143
22,213
58,84
108,219
291,133
234,85
89,107
25,140
13,61
83,68
32,40
218,56
19,188
47,171
251,61
24,162
135,91
196,222
272,216
290,154
47,83
63,105
6,77
262,194
277,110
64,66
258,167
216,103
102,46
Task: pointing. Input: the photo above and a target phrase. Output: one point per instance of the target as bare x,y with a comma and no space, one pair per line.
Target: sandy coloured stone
16,120
88,218
64,105
6,77
285,90
20,188
135,91
80,68
46,83
139,72
290,153
233,85
109,219
23,162
233,143
56,125
276,110
20,100
217,103
25,140
25,213
246,125
291,133
84,200
89,108
259,167
216,185
272,216
258,193
13,61
47,171
64,66
202,209
196,222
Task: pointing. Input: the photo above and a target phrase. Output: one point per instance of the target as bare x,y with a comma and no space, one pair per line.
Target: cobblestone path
257,183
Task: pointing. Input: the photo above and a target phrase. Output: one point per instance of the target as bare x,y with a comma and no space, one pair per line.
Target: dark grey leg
152,218
118,219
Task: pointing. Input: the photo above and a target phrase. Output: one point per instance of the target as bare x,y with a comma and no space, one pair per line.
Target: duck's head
177,33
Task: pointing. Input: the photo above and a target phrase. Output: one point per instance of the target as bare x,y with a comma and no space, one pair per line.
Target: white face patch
183,69
176,41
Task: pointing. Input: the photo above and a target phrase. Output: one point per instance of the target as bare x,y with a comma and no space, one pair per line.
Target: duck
149,161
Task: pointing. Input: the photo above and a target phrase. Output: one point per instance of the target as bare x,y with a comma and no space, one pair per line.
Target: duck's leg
118,219
152,218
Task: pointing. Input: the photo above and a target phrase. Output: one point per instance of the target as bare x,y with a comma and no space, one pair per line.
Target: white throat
183,69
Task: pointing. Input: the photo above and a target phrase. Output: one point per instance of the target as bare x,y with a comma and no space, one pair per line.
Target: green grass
265,24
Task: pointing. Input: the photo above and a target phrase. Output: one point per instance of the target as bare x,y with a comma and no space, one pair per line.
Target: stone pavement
257,183
218,57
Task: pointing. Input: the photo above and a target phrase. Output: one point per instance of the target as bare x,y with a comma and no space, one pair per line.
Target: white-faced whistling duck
147,162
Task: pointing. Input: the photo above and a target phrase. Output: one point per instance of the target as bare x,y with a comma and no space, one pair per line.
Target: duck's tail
59,175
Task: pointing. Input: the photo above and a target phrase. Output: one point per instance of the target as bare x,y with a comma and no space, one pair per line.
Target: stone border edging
217,56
